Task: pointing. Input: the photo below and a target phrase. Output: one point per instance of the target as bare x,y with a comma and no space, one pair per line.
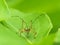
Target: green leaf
41,24
4,10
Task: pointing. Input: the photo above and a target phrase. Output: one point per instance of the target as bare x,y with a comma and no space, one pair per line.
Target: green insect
27,30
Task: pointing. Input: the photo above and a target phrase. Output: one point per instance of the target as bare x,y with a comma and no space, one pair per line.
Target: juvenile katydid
26,29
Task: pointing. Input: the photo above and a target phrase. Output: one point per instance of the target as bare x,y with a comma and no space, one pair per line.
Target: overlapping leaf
42,25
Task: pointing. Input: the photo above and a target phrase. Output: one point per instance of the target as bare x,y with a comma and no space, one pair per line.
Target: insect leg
34,33
22,29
